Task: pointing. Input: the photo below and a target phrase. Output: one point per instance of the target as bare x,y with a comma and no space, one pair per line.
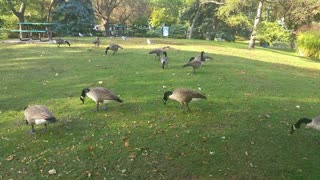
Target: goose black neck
202,59
163,63
301,121
166,95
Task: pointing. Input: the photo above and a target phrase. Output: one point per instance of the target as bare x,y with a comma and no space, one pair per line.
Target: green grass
240,132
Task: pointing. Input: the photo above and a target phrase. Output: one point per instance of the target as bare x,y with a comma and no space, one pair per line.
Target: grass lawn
240,132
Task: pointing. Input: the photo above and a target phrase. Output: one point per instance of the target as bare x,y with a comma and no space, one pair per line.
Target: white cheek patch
40,121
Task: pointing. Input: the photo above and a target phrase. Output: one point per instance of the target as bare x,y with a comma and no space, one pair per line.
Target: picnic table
34,27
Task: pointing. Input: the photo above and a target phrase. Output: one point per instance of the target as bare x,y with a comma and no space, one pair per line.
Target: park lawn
240,132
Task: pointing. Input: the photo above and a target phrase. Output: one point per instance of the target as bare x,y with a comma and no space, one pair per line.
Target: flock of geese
39,114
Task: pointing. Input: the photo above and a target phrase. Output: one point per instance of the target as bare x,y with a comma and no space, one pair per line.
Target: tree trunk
49,10
194,21
256,22
19,14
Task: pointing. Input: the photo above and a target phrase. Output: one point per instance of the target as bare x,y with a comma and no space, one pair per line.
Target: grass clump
309,44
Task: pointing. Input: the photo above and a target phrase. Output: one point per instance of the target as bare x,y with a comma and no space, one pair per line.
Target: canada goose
183,96
310,123
204,59
38,114
96,42
159,51
195,64
61,41
114,48
99,95
164,60
81,35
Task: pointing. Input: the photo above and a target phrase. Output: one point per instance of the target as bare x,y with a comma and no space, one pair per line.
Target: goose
148,41
159,51
195,64
38,114
114,48
61,41
183,96
310,123
96,42
99,95
164,60
81,35
205,57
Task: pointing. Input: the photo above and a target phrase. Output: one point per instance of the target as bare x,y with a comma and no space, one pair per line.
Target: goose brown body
183,96
38,114
157,52
195,64
99,95
114,48
96,42
61,41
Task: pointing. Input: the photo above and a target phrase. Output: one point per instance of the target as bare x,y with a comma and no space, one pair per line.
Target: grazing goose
114,48
38,114
61,41
81,35
96,42
310,123
159,51
164,60
99,95
183,96
195,64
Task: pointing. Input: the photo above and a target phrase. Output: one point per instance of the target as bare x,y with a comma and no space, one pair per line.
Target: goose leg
97,107
32,129
188,108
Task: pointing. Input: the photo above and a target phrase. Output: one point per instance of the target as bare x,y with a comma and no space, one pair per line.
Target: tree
19,13
74,16
256,22
198,5
165,12
103,11
129,10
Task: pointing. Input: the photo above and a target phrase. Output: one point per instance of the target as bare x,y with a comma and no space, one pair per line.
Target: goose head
83,94
166,96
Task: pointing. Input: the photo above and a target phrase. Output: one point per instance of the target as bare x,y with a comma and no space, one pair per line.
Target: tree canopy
225,19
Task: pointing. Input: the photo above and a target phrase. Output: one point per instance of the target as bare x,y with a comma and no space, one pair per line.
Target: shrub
178,31
309,44
271,32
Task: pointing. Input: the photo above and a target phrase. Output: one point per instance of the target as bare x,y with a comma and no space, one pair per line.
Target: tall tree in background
198,5
128,10
22,7
255,25
165,12
103,10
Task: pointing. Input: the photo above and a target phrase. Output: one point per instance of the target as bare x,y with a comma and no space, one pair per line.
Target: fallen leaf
126,142
52,171
90,148
10,158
